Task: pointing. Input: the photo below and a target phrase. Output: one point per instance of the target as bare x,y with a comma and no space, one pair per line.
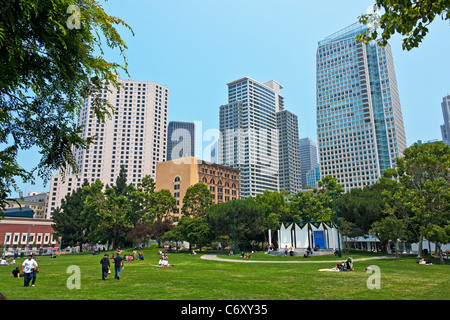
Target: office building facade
249,134
180,140
359,118
288,152
308,159
135,137
313,177
178,176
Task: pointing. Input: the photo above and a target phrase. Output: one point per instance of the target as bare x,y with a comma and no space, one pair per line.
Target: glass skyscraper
308,159
312,177
180,140
359,118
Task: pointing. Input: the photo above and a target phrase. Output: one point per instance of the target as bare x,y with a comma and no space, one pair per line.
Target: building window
177,179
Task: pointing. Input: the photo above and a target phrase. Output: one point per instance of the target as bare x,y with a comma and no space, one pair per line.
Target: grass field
194,278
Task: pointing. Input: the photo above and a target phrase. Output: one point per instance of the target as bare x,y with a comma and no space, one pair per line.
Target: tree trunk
396,251
384,247
419,253
440,253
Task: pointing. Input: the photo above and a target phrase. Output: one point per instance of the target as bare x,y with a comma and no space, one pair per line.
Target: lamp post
234,226
337,225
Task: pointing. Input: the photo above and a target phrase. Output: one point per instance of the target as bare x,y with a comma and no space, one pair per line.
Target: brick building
179,174
18,229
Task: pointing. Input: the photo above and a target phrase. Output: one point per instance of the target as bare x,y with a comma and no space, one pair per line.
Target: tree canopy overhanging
51,59
409,18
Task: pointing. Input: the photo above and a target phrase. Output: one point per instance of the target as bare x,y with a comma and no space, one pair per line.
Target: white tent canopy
301,235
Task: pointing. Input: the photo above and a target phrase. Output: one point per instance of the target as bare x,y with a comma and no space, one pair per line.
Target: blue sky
195,47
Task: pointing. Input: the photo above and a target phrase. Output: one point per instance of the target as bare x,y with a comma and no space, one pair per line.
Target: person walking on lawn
27,268
105,266
118,266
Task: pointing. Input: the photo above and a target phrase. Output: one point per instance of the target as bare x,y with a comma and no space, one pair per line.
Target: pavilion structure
303,235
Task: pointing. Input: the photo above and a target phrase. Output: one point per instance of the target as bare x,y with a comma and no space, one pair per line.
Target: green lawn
193,278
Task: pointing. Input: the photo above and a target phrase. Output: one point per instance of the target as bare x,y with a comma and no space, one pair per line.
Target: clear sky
195,47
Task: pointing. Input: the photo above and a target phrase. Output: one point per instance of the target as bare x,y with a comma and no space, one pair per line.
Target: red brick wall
22,227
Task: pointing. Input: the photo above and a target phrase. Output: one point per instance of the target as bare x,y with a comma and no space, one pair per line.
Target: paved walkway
213,257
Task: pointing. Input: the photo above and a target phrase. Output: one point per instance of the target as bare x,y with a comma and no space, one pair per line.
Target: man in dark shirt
105,266
118,265
16,273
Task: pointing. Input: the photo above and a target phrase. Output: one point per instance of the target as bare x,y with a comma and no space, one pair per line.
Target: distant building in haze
308,159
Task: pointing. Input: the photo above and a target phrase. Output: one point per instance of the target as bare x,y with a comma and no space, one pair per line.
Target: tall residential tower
359,118
259,138
248,125
135,137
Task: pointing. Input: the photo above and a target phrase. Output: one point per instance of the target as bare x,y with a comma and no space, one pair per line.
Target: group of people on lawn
29,271
118,262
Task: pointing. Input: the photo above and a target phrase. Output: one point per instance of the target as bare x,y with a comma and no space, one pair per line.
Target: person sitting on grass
422,261
164,261
308,253
16,273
